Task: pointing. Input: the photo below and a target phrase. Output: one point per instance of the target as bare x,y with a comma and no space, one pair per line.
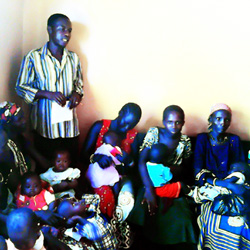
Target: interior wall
11,29
155,53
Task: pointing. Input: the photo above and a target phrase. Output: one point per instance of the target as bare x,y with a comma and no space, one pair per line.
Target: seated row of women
143,183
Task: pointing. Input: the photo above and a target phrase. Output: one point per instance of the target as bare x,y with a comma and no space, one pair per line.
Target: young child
161,175
109,176
87,228
34,193
23,230
61,176
105,179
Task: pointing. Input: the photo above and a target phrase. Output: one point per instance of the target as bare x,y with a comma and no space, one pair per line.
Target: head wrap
7,111
220,106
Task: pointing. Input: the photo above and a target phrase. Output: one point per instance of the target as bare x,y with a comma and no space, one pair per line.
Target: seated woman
215,151
123,125
12,161
170,220
16,149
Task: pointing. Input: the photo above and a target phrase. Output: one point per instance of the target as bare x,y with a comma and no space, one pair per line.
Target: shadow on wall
194,125
87,111
236,126
15,64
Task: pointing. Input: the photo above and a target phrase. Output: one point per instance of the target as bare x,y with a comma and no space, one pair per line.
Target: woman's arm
199,154
149,195
237,189
89,147
90,142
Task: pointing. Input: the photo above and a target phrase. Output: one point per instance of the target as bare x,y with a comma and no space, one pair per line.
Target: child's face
62,161
32,186
75,208
78,208
113,140
173,122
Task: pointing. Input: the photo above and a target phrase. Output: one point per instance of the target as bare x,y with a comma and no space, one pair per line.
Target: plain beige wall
155,53
11,29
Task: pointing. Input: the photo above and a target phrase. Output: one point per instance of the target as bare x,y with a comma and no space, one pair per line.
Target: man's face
60,32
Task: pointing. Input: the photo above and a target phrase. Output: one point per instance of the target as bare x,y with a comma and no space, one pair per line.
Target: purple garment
217,158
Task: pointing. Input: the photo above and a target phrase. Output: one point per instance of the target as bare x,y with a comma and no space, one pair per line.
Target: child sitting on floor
62,177
34,193
23,230
161,175
87,229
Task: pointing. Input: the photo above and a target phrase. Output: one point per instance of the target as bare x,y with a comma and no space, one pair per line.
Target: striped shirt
41,71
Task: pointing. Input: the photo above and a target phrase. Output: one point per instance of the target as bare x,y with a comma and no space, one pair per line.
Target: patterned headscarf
7,111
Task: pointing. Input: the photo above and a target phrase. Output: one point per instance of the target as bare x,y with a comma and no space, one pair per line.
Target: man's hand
53,96
74,100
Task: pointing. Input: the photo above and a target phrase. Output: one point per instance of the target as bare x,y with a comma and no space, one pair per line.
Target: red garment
125,144
107,204
107,200
171,190
35,202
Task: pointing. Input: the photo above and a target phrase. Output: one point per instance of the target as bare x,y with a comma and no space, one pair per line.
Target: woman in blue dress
214,152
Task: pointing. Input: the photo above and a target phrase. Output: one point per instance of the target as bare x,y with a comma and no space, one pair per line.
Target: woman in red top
123,125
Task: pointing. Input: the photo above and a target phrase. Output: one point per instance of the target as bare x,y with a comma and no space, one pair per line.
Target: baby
86,227
23,230
221,192
34,193
158,172
161,175
62,177
109,176
105,181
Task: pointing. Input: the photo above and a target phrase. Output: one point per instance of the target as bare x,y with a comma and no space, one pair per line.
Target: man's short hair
53,18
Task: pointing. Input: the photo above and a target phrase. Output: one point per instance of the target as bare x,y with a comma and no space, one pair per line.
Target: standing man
49,76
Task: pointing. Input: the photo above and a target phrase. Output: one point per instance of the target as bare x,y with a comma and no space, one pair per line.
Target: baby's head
71,207
112,138
31,184
23,229
158,153
61,160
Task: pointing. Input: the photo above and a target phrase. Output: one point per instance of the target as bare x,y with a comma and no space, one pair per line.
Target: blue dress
217,158
219,232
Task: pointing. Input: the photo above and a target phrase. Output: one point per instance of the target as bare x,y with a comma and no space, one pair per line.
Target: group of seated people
125,182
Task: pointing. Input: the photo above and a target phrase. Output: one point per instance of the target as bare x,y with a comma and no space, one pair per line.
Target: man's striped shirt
41,71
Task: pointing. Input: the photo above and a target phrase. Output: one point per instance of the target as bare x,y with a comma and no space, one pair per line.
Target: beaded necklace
219,142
